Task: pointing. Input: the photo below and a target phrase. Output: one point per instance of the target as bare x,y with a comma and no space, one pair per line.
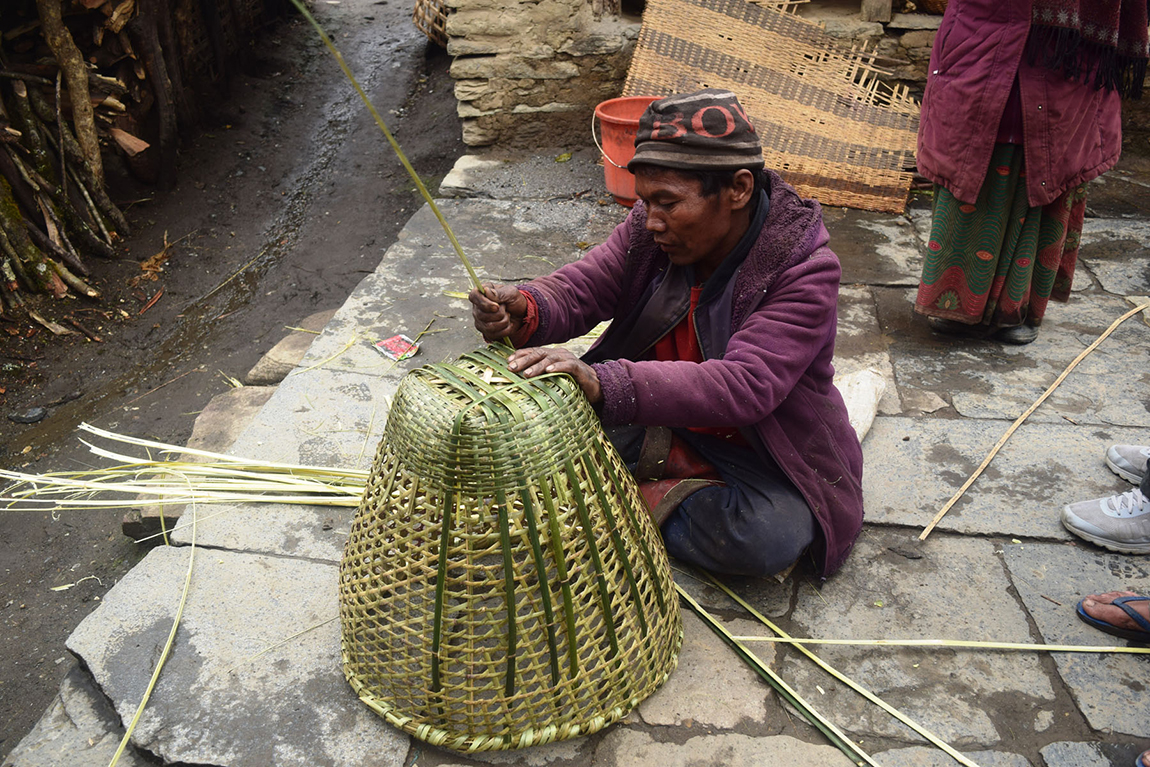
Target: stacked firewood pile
82,81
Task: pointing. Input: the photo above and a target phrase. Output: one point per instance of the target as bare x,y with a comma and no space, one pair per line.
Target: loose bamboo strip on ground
931,737
955,644
167,647
837,737
1014,426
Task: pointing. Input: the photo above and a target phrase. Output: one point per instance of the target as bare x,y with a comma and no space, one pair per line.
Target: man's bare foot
1099,606
1144,760
1120,613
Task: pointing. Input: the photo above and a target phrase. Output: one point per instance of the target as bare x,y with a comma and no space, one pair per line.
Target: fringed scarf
1103,41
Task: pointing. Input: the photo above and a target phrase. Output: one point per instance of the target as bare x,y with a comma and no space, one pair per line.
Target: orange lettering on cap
697,122
738,109
675,124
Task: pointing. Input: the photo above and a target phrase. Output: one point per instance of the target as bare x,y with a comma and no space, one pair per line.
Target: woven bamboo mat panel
503,584
828,124
430,17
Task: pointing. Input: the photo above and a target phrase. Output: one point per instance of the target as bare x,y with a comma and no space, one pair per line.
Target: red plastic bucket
619,121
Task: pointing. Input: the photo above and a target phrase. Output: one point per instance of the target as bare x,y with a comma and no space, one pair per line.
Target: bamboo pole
1018,422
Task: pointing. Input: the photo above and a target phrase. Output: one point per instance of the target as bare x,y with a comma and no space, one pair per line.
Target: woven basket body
503,584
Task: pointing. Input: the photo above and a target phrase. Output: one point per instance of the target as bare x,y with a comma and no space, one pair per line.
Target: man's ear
742,189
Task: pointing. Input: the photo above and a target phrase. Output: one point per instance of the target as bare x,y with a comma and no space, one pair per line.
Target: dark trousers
753,521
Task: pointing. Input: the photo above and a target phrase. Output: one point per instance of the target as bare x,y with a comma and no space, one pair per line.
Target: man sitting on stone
714,379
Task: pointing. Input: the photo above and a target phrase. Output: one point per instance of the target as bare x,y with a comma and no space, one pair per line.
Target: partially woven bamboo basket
503,584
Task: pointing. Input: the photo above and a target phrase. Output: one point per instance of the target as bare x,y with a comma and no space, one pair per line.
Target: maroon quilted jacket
1071,131
768,346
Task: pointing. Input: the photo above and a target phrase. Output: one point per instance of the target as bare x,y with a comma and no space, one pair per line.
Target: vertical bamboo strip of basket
828,122
503,584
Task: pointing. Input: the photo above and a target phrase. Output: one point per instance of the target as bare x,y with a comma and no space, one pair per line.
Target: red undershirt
682,343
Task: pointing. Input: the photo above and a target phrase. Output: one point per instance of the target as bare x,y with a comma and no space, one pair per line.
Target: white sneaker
1120,523
1128,461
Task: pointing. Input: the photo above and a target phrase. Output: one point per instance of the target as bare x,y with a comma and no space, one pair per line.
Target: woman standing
1021,110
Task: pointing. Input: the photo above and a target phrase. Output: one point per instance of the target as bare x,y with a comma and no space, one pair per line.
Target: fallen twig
91,336
152,301
161,386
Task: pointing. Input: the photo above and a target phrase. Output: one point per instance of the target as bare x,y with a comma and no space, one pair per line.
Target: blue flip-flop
1140,762
1141,635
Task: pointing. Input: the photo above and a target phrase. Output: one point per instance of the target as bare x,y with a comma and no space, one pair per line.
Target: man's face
690,228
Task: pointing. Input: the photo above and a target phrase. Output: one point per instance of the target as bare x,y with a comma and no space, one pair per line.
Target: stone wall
529,73
903,43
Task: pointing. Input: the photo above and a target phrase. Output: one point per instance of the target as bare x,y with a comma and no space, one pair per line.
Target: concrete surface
243,686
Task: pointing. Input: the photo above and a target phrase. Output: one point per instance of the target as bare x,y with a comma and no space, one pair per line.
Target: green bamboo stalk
440,584
838,738
560,558
502,505
934,739
645,550
596,559
541,573
617,542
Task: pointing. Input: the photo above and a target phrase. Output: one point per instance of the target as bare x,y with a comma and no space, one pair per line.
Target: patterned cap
705,130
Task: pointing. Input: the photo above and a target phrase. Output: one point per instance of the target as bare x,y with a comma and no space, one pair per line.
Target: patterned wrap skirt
998,262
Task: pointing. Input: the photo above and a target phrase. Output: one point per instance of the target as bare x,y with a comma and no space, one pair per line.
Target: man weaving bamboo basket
714,379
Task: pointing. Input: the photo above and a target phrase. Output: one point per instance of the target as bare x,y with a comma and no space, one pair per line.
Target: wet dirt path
287,196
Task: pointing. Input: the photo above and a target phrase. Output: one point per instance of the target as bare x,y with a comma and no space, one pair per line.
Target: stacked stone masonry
530,72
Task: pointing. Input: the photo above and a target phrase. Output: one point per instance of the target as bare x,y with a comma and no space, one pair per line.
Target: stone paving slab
539,176
1071,754
282,358
986,379
317,418
79,728
769,596
631,748
880,594
215,429
321,417
1110,690
568,753
921,756
860,345
924,461
215,704
711,687
505,241
874,249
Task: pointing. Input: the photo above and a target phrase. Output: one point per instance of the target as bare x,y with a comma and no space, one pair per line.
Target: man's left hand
537,361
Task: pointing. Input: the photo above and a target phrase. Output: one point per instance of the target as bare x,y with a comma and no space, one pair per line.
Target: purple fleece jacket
774,376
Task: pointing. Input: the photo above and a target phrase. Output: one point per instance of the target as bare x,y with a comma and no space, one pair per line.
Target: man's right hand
498,310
